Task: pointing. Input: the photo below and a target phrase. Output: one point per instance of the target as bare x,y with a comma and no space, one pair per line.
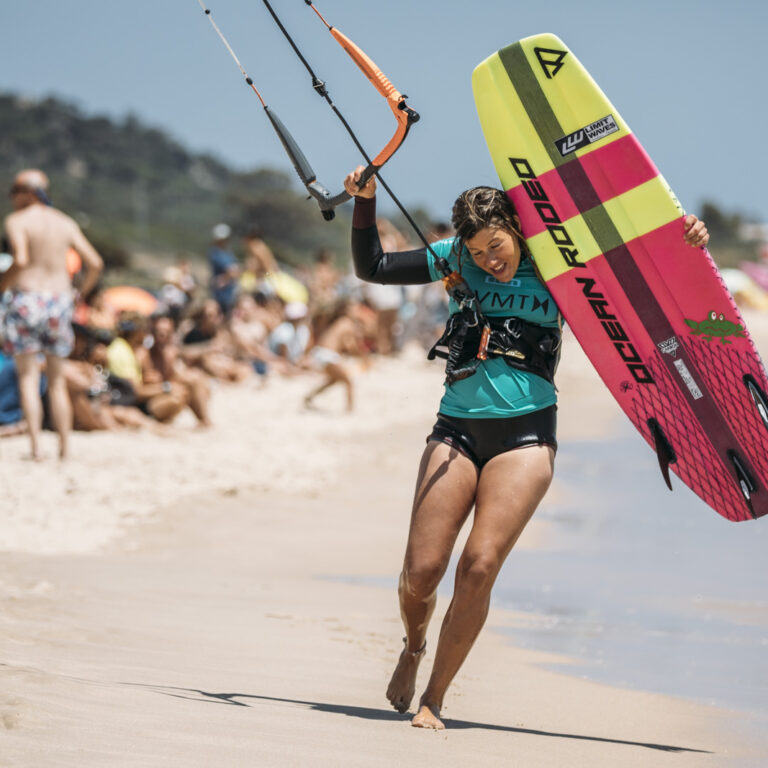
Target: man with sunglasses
37,308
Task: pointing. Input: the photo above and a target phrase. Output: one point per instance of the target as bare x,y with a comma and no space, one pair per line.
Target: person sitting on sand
387,300
187,281
249,327
93,311
210,347
493,445
291,339
12,420
127,357
89,388
323,281
342,337
163,363
171,295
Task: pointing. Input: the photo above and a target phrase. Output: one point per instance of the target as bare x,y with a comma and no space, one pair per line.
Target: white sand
262,438
170,601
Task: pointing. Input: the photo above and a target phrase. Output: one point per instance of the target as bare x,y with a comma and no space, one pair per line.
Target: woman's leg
510,488
199,393
445,492
334,372
166,407
217,365
133,418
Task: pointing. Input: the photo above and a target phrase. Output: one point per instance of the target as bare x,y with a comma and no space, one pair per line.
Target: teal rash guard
495,390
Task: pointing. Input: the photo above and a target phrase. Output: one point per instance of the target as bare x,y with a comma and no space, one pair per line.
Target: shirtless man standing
38,314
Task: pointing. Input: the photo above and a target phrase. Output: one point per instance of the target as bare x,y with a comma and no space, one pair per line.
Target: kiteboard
606,233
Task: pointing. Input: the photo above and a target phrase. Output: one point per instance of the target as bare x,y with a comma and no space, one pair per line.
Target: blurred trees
134,188
733,239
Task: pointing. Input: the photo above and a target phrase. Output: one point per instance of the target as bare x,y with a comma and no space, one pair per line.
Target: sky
686,75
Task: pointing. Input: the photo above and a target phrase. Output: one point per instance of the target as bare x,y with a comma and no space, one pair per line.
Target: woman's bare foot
428,716
402,685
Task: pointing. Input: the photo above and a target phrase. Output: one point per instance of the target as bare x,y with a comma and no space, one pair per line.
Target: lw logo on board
588,135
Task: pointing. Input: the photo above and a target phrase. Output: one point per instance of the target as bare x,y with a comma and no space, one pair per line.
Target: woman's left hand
696,232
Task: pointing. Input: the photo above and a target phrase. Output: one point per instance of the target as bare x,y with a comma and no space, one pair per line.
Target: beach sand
227,598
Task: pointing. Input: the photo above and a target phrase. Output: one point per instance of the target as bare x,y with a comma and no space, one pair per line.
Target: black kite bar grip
320,193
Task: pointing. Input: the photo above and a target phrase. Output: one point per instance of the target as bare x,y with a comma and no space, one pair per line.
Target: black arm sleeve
375,266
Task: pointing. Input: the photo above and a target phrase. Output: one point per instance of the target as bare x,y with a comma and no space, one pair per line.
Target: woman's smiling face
495,251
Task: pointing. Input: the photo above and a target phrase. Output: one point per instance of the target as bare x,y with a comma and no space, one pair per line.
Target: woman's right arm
371,263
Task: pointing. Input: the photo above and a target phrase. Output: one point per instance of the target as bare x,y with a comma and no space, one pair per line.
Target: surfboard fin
746,483
758,397
664,451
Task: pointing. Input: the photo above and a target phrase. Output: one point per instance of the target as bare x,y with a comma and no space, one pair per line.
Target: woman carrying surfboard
493,445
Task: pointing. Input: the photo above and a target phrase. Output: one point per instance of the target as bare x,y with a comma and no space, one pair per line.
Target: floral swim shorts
32,322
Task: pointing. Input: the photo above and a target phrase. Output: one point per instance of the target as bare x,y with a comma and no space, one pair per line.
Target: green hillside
135,189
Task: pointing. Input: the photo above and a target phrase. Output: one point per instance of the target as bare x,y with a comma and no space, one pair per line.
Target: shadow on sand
368,713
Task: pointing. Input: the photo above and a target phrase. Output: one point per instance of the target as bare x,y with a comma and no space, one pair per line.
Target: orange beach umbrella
129,298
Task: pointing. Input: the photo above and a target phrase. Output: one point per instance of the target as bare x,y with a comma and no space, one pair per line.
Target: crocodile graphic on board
716,326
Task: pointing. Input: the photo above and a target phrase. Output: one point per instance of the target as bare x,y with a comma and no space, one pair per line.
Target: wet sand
644,587
252,619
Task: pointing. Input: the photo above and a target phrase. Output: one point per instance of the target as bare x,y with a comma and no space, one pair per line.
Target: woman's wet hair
480,208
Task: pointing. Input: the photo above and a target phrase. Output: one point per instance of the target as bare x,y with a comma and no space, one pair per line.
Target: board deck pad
606,233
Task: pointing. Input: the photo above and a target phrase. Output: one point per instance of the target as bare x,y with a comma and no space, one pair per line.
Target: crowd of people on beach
137,358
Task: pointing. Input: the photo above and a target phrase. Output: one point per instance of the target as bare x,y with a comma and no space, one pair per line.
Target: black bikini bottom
482,439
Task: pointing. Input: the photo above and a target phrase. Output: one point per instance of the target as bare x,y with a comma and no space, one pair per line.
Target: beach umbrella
129,298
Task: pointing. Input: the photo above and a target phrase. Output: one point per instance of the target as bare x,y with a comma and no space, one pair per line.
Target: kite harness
469,338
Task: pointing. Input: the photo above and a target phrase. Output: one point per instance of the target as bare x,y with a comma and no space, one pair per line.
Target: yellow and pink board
606,234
